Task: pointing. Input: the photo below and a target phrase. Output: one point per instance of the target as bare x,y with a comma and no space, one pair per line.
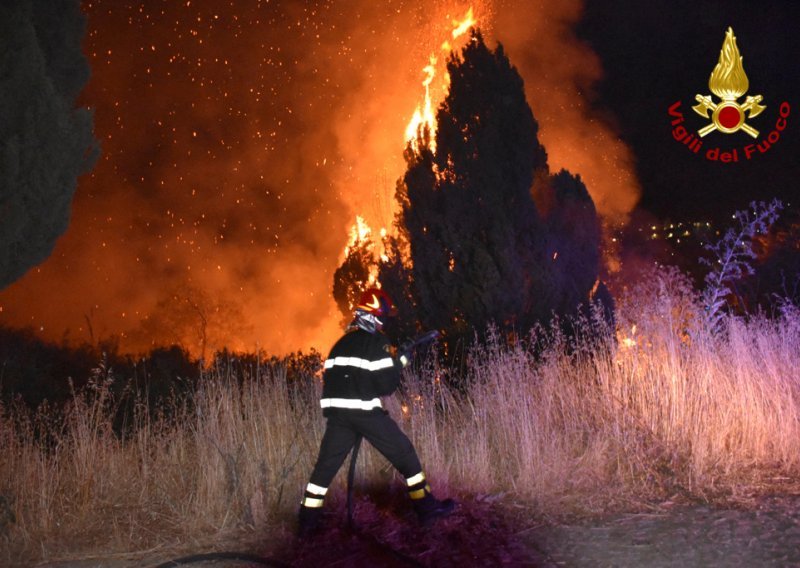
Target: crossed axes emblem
728,116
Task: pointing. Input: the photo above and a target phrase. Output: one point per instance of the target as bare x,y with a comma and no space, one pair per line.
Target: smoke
239,144
560,74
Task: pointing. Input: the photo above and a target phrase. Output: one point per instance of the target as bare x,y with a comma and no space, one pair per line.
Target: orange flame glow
464,25
627,342
424,116
303,185
361,233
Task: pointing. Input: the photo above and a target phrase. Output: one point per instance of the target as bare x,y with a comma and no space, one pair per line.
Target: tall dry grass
554,423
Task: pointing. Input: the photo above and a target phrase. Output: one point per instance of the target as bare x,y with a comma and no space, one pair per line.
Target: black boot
429,508
309,521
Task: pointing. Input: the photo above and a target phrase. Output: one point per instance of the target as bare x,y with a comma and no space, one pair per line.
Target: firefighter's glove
404,353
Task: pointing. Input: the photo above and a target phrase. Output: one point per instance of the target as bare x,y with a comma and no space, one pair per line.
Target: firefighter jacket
359,370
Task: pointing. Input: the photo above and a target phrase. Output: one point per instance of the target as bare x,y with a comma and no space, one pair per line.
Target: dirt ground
480,533
767,534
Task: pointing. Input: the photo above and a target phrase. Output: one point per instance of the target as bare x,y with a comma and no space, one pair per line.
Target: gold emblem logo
729,82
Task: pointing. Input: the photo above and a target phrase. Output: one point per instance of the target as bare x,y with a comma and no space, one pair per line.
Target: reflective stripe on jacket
359,369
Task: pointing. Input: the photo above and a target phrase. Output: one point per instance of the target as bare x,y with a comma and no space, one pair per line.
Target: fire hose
407,349
236,556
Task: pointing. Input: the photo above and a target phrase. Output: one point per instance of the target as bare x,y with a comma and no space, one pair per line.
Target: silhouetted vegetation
45,142
776,276
34,372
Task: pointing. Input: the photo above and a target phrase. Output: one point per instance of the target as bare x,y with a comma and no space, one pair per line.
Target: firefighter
359,370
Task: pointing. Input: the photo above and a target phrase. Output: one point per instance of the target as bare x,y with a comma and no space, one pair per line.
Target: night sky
654,56
240,139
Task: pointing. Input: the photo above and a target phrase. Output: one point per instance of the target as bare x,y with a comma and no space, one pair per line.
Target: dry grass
584,425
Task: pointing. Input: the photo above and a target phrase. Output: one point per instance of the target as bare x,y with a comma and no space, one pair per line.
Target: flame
361,233
728,80
628,342
464,25
384,257
424,116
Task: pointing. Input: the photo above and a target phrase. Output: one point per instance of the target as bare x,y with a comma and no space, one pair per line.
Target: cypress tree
475,235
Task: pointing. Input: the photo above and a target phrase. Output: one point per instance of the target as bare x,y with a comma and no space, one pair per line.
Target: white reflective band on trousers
351,403
414,479
384,363
312,503
316,489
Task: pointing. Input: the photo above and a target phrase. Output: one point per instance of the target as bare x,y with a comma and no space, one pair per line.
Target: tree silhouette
776,278
352,277
395,276
475,234
192,318
45,143
572,235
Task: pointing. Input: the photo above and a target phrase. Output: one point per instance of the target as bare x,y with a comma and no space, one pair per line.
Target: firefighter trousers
378,429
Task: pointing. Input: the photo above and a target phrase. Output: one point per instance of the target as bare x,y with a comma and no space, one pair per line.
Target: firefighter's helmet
378,303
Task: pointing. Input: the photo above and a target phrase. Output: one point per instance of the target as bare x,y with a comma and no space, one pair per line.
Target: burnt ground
482,532
387,534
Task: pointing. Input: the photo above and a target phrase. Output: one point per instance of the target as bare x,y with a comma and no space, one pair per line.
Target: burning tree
472,246
357,272
481,250
474,232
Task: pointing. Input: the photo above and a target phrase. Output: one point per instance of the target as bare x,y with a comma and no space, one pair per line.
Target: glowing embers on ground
628,341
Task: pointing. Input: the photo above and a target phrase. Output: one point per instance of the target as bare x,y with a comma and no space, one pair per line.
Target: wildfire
424,117
360,232
464,25
629,341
